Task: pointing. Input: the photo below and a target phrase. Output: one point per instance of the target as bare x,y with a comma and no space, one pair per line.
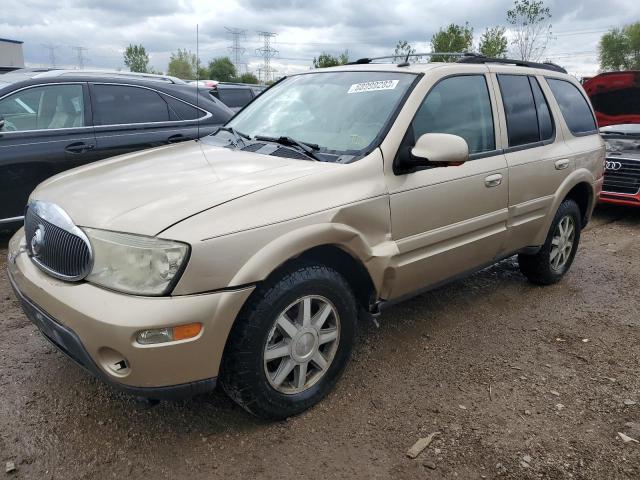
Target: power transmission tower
80,54
237,51
267,52
52,53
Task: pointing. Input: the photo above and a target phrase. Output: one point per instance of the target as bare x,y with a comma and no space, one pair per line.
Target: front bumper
620,199
97,329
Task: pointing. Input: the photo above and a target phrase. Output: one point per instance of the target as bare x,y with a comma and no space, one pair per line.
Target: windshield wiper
238,136
308,148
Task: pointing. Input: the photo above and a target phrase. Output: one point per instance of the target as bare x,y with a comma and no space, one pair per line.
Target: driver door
452,219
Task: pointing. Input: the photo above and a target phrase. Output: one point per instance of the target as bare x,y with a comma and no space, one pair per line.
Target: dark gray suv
54,120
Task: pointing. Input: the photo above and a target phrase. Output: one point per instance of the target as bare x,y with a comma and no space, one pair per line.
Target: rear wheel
291,342
555,257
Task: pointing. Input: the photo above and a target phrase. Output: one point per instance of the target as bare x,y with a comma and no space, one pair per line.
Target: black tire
538,268
243,375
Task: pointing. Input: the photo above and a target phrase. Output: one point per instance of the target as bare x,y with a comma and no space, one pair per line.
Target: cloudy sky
303,28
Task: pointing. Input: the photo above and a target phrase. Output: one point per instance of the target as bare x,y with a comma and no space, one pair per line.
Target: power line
267,52
52,53
80,55
237,51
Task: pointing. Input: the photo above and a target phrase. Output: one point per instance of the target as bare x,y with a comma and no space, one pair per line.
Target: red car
616,99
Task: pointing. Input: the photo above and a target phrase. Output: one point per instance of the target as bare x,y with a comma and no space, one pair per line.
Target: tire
258,334
550,264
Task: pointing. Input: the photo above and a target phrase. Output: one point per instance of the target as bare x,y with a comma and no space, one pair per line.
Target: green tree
325,60
403,48
248,77
222,69
619,48
454,38
531,25
183,64
136,58
493,43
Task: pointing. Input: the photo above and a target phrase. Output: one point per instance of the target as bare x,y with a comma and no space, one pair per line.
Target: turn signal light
168,334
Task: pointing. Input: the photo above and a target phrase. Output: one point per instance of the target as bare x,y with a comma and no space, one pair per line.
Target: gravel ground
520,381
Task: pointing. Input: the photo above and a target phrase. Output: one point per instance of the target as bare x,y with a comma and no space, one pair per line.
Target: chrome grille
63,251
626,179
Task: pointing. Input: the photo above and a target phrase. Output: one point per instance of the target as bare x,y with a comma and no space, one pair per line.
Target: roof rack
110,73
509,61
363,61
464,57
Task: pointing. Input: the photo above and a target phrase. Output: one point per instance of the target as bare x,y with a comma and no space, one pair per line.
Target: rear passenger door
129,118
536,154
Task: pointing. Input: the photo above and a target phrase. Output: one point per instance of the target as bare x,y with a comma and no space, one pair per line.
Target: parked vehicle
235,95
247,257
616,100
54,120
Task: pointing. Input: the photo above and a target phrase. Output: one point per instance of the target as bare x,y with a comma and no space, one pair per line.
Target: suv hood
147,192
615,97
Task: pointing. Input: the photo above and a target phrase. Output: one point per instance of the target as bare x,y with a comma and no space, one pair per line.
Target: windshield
341,112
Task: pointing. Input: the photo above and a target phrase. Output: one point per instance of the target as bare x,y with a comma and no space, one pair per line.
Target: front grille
626,179
59,252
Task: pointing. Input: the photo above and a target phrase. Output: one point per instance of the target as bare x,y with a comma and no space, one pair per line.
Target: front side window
43,108
121,105
459,106
574,106
340,112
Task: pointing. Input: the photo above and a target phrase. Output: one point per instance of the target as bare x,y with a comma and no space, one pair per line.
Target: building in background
11,56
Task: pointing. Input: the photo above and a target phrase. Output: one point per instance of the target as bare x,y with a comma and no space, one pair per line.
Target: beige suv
247,258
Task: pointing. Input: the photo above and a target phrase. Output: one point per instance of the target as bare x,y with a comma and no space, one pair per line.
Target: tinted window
519,109
573,105
117,105
459,106
545,123
183,110
235,97
41,108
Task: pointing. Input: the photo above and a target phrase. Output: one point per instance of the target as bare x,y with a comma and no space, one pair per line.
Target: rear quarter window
574,107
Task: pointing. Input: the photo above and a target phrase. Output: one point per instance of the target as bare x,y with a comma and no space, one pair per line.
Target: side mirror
439,148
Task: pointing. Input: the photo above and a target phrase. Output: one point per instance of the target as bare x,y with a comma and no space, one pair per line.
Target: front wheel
291,342
555,257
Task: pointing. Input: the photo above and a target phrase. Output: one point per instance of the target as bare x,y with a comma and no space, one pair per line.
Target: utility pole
52,53
237,51
80,54
267,52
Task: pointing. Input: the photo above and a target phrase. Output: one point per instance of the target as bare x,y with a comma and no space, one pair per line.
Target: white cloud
304,28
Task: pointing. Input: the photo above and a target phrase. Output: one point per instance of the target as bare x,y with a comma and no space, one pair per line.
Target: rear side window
545,123
519,109
120,105
183,110
459,106
235,97
574,106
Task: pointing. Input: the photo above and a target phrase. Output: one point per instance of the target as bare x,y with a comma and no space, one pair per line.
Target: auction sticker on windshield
373,86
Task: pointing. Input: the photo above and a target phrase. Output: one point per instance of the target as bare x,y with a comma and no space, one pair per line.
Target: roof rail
405,57
509,61
110,73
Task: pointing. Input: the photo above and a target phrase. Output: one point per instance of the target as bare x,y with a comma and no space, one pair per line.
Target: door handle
562,164
177,138
493,180
78,147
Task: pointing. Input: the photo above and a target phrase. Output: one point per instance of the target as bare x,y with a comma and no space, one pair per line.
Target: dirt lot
521,381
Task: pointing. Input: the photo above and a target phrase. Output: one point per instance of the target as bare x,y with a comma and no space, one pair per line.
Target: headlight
135,263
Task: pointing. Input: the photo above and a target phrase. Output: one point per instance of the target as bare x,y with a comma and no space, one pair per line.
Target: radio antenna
198,78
